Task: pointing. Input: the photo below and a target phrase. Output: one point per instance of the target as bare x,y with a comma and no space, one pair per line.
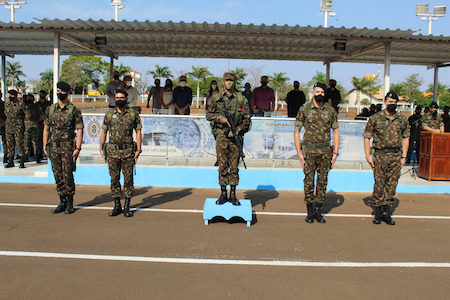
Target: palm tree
319,77
365,85
13,72
160,72
240,75
47,79
122,69
278,81
398,88
199,73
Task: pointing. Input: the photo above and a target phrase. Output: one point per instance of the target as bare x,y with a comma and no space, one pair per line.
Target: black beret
434,105
391,95
121,92
12,92
43,92
321,85
63,86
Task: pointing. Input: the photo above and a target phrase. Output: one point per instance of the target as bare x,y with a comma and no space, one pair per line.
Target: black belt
387,150
62,144
316,145
121,147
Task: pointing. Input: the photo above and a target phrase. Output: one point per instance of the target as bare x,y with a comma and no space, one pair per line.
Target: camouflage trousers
3,134
32,139
316,162
15,138
386,174
62,166
228,158
121,162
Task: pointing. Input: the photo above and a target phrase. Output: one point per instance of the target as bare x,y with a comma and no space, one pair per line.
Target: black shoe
62,205
386,215
39,159
5,158
69,205
22,162
377,215
117,208
318,213
10,163
216,164
233,198
126,208
223,196
310,217
26,159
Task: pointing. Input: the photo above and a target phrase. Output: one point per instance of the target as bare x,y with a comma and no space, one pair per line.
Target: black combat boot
39,158
318,213
310,217
69,205
223,196
10,162
22,162
386,215
5,158
117,208
25,158
126,208
233,198
62,204
377,215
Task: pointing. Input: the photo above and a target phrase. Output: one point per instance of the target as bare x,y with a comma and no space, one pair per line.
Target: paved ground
170,226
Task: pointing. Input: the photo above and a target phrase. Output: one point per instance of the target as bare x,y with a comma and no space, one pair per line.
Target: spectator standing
263,98
167,97
133,93
182,97
372,109
333,95
432,121
211,93
155,94
446,119
247,93
295,99
415,123
43,103
2,128
112,87
32,143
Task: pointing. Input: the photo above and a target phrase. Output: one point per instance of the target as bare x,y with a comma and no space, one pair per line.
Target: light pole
422,11
327,6
12,5
118,4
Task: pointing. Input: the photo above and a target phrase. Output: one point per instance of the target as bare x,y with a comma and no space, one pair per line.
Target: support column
4,76
327,73
111,68
435,83
387,68
56,64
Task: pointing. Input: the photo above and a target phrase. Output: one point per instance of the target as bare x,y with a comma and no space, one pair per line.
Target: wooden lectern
434,160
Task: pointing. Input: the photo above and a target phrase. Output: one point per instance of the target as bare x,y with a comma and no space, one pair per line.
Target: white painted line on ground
177,210
280,263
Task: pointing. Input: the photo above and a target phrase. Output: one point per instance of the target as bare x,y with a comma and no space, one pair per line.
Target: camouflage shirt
61,124
35,113
15,113
2,113
318,122
121,126
389,133
434,122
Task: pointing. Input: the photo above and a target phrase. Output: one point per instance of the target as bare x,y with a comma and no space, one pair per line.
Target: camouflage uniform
227,151
15,127
387,132
316,147
43,107
2,129
120,149
32,128
434,122
62,126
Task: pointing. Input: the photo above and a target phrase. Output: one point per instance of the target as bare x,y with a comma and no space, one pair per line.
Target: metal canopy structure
203,40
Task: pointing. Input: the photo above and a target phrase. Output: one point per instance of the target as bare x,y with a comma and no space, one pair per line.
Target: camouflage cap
229,75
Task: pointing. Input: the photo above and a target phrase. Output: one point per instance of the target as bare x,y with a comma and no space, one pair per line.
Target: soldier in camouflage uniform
390,132
227,151
432,121
315,152
43,103
60,122
2,128
15,127
121,152
32,128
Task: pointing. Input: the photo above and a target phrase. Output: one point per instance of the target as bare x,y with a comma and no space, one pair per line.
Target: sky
381,14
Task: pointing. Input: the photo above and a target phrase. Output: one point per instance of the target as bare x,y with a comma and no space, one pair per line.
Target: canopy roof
204,40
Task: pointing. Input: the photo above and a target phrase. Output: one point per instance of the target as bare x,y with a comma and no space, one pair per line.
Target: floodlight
326,4
440,10
421,9
116,2
340,45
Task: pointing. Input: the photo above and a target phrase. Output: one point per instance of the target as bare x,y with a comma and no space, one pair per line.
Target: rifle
237,140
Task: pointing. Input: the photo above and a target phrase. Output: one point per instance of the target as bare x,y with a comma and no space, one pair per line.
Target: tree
240,76
79,71
319,77
13,73
255,72
412,84
200,74
398,88
46,83
441,88
365,85
122,69
160,72
278,82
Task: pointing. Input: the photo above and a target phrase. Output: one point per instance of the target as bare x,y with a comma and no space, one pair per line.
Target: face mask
391,108
169,85
121,103
319,98
333,85
116,77
296,86
182,83
12,98
247,88
61,96
213,86
434,113
264,83
128,83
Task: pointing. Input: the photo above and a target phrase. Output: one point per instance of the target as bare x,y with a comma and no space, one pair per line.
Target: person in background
372,109
155,94
446,119
263,98
333,95
295,99
2,128
167,97
211,93
182,97
432,121
112,87
247,93
415,123
133,93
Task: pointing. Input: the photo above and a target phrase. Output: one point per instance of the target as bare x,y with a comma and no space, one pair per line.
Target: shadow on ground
332,200
261,195
369,202
106,198
161,198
